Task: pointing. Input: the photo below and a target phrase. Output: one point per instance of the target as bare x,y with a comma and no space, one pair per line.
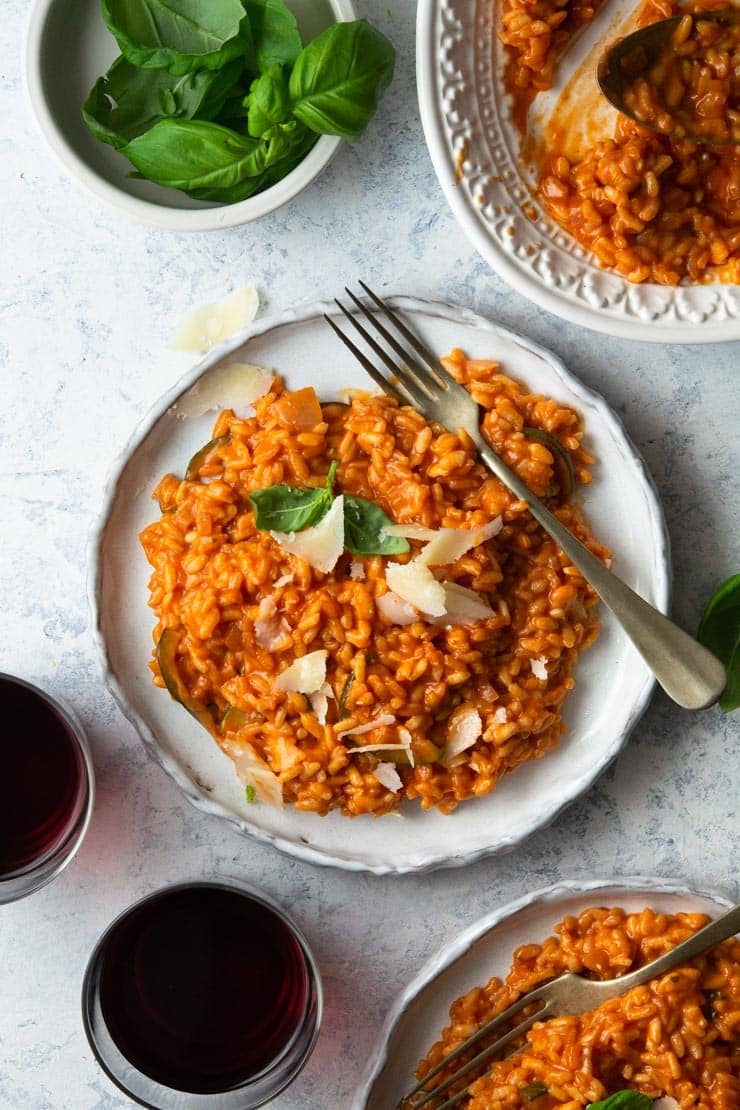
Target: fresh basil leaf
178,35
532,1091
719,631
250,793
268,102
287,509
339,78
623,1100
275,36
129,101
195,154
364,523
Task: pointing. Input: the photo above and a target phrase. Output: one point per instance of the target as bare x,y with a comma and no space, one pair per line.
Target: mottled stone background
88,302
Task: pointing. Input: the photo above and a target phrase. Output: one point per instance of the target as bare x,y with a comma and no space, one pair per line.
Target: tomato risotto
357,610
676,1035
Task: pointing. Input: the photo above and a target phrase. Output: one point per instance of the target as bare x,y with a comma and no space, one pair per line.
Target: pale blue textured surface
88,303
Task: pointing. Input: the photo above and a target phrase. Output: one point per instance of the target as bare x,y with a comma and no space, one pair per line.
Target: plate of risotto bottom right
672,1036
602,222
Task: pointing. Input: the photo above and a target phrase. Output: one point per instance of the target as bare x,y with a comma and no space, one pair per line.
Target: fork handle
689,674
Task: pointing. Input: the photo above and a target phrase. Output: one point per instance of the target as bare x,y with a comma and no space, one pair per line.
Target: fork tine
486,1053
367,365
407,369
412,394
442,376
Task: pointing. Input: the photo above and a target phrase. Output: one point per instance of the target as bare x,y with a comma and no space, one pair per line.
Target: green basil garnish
623,1100
250,793
364,525
533,1091
177,35
719,631
288,509
275,36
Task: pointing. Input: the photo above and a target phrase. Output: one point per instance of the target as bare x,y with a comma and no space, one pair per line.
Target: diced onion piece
396,610
464,727
305,676
253,771
239,384
319,700
208,325
450,544
416,584
410,531
271,631
388,776
377,722
462,606
321,545
539,668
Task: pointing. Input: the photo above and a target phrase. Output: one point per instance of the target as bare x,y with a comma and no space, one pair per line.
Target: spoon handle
689,674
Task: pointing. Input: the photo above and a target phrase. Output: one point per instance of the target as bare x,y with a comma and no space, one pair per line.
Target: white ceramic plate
613,684
485,949
464,107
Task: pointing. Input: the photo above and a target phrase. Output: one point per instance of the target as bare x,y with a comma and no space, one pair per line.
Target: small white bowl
68,47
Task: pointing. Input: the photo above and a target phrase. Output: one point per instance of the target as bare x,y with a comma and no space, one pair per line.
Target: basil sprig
533,1091
218,98
719,631
290,509
623,1100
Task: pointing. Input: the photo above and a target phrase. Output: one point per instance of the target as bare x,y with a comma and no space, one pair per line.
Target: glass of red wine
199,990
50,786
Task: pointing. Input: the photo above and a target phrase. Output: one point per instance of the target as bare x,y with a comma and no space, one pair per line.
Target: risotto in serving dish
651,206
675,1036
357,610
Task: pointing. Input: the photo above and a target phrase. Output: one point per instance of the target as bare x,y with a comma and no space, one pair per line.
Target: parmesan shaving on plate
377,722
357,570
500,716
388,776
319,700
539,670
464,726
210,324
409,531
463,606
320,545
415,583
396,610
271,631
305,676
283,580
667,1102
242,383
253,771
450,544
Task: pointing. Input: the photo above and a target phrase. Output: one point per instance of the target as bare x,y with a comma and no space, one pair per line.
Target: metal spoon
629,58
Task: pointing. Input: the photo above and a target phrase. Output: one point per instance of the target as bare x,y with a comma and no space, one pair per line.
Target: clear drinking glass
47,806
202,994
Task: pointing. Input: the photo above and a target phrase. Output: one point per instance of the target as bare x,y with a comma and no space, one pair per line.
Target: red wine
46,777
202,988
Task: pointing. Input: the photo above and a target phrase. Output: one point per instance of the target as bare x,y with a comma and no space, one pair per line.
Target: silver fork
688,673
568,994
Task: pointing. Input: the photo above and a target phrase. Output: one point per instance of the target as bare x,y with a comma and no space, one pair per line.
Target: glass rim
123,1073
40,874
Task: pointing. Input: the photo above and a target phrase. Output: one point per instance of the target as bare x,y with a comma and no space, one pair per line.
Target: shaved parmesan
410,531
500,716
377,722
450,544
239,383
319,700
321,545
462,606
667,1102
305,676
356,570
272,631
208,325
539,670
396,610
463,729
388,776
283,580
253,771
416,584
377,748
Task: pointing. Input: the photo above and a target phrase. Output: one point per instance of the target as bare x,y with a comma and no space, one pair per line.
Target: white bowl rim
148,212
450,951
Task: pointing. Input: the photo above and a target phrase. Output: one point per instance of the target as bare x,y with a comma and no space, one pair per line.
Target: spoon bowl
670,106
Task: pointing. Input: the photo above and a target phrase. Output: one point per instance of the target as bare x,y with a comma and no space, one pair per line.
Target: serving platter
613,685
475,150
485,949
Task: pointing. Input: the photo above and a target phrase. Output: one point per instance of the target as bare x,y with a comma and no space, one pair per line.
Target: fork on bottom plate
688,673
